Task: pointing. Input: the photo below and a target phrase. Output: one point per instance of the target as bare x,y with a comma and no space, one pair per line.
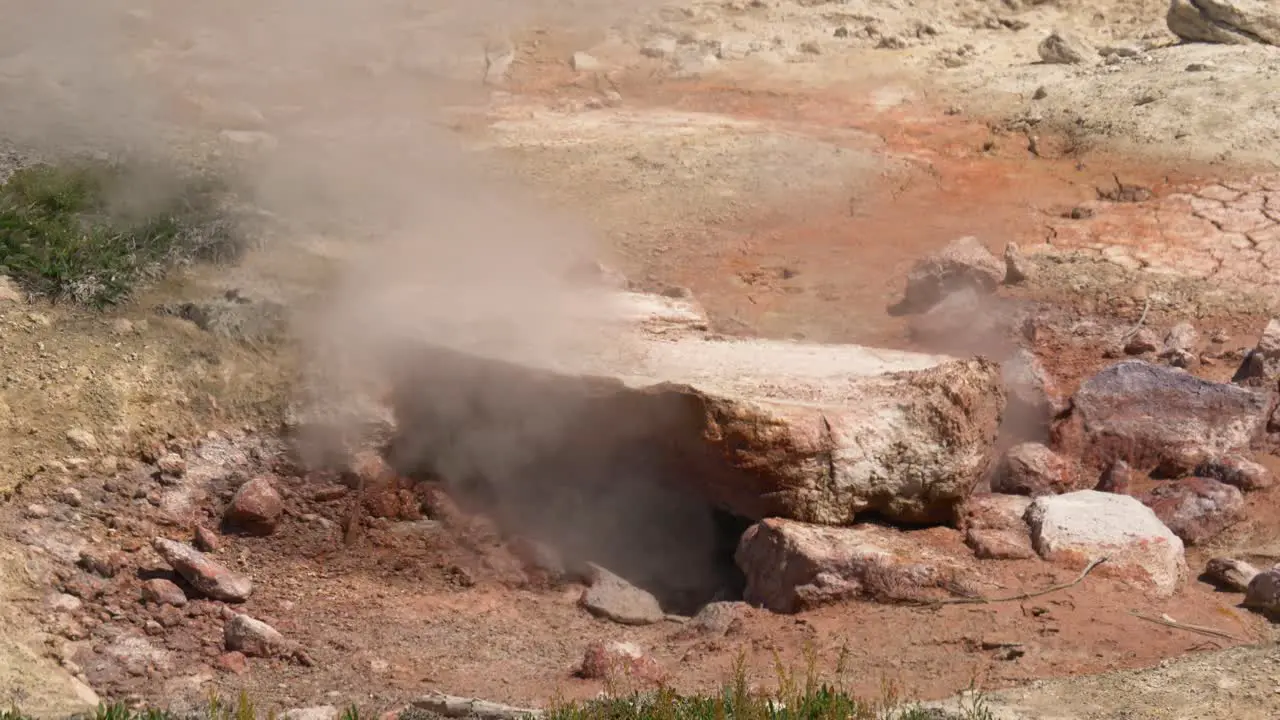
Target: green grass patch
796,698
93,233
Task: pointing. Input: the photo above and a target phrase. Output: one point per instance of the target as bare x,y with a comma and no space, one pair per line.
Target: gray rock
1230,573
1233,22
1033,469
1062,47
814,432
1116,478
659,47
254,638
1263,593
613,598
717,618
1263,362
1159,418
1182,336
497,62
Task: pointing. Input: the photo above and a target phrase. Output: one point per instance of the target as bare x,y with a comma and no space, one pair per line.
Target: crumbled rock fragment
963,264
1033,469
1195,508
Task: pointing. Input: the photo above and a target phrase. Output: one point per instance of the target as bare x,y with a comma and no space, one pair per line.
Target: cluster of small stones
1227,231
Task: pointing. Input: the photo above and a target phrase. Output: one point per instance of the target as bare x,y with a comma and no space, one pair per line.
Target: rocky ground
804,169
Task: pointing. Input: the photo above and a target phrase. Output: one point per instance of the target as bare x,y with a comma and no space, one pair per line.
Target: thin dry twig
1146,306
1021,596
1184,626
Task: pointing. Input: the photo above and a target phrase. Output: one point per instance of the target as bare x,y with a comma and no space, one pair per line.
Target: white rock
254,637
82,439
582,62
319,712
1066,48
1079,527
9,291
659,47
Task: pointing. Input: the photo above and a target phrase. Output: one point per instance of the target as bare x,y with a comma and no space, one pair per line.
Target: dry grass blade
1200,629
1020,596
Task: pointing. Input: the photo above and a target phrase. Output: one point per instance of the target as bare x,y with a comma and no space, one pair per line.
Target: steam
328,115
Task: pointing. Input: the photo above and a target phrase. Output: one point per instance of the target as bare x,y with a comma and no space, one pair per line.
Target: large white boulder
1077,528
760,428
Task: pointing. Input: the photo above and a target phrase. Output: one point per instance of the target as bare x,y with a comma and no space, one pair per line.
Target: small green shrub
68,232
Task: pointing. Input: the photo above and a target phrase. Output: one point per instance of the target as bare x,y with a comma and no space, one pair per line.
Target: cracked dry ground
442,604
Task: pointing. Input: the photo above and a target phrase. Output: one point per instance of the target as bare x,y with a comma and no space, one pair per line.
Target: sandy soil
790,180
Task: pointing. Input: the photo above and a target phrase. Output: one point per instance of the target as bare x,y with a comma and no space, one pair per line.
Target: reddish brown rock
1195,509
206,539
84,586
614,661
792,566
1141,342
204,574
1033,469
994,527
172,464
103,562
1116,478
233,662
169,616
256,508
163,592
1159,418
